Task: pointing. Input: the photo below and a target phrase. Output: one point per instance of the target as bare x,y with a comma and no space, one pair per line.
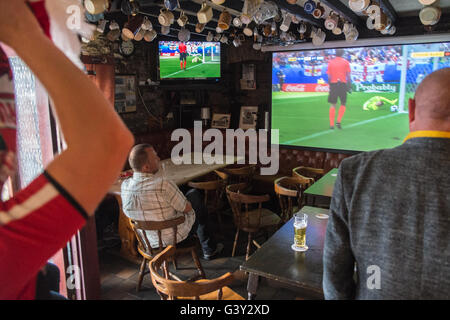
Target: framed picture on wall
125,93
220,120
248,117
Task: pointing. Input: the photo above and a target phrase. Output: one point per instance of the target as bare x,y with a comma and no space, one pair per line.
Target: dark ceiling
405,13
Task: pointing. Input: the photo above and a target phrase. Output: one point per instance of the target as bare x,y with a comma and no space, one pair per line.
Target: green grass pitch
170,68
302,120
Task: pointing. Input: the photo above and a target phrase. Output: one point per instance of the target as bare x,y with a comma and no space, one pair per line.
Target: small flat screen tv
382,79
189,60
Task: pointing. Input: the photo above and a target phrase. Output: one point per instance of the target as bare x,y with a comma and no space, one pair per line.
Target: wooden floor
119,276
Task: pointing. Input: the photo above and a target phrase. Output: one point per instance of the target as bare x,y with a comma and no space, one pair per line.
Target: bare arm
97,140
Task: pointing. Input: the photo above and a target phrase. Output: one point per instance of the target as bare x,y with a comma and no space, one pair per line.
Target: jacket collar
427,134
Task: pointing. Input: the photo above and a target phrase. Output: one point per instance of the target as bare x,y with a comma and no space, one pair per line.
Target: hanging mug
140,35
248,32
331,21
199,27
147,24
205,14
319,11
351,35
267,31
165,17
319,37
218,1
133,27
359,5
96,6
286,22
113,35
171,4
182,20
245,18
381,22
224,20
429,16
339,28
237,22
165,30
309,6
150,35
210,36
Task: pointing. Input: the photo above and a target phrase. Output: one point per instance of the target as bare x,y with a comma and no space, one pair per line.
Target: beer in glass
300,224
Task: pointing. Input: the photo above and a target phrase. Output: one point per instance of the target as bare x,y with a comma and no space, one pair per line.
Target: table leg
252,285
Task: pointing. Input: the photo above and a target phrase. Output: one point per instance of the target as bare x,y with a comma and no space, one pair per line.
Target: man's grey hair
138,156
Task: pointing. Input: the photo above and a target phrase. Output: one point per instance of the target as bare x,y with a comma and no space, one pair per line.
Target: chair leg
198,264
249,245
174,261
235,242
141,274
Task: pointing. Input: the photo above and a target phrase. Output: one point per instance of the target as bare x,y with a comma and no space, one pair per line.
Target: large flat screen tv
189,60
375,116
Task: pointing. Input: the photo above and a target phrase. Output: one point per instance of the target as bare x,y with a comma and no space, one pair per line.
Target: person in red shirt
339,73
40,219
183,55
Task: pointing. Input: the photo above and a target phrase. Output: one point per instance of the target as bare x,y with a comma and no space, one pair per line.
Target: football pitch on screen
170,68
303,120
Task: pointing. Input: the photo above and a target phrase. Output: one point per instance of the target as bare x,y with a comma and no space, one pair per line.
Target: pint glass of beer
300,224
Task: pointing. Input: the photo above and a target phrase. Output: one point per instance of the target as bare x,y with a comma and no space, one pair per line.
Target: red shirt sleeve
34,225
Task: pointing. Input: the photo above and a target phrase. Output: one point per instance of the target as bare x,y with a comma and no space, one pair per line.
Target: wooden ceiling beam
389,10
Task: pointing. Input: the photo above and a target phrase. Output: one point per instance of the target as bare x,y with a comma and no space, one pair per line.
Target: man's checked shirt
147,197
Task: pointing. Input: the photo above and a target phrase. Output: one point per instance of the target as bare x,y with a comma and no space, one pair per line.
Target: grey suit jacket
390,215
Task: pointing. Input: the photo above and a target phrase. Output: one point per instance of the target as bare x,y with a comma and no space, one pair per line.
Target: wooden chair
167,288
240,174
213,190
308,172
189,245
289,192
248,219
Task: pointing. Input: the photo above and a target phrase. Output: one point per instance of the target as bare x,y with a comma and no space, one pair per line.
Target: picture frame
248,117
221,120
125,93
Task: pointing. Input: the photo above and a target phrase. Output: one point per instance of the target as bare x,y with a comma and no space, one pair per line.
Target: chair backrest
213,189
243,206
139,228
289,191
308,172
171,289
240,174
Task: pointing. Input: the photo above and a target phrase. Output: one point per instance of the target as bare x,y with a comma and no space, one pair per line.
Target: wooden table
179,174
323,188
277,261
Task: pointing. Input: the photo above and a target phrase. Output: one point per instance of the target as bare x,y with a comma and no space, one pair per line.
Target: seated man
147,197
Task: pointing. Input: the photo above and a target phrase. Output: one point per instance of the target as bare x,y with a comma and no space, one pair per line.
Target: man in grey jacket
390,211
